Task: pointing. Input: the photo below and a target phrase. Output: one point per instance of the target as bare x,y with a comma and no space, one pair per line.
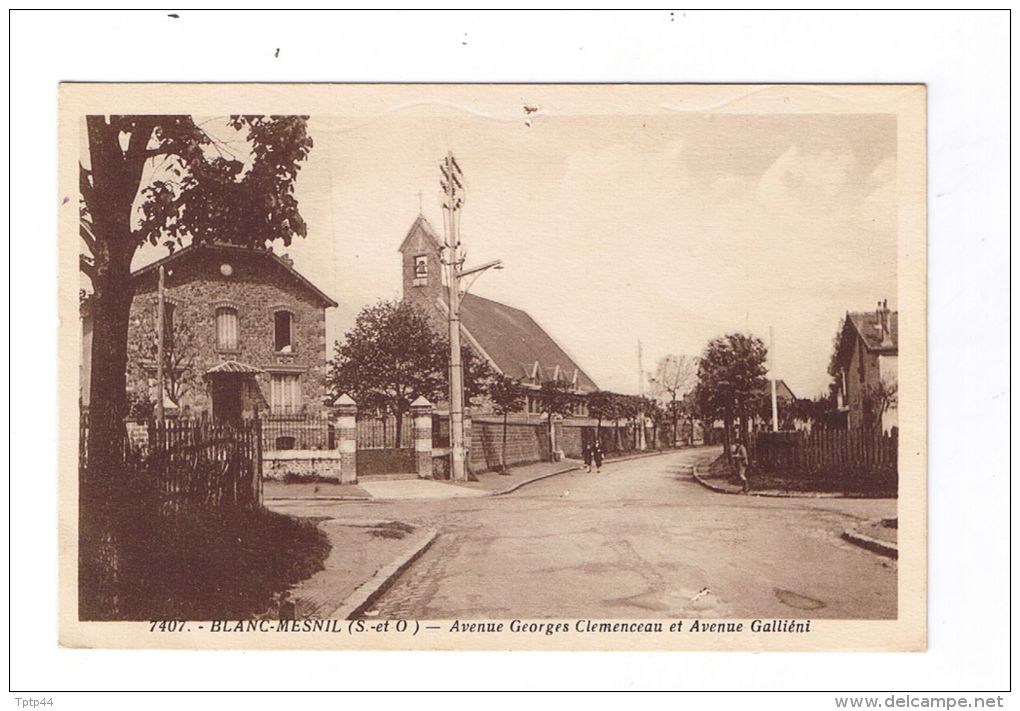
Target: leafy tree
674,377
877,400
602,407
161,180
731,375
392,357
507,395
657,414
556,399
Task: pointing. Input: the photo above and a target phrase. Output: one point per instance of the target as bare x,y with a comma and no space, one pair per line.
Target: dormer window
283,331
421,270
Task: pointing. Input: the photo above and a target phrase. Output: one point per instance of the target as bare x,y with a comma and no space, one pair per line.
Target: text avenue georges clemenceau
414,627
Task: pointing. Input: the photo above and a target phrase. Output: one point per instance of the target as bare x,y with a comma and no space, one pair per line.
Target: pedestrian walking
740,459
587,454
596,455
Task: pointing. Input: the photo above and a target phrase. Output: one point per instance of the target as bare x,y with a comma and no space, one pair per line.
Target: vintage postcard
537,367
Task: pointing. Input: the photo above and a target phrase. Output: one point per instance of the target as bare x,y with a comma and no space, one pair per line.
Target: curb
771,494
577,467
524,483
369,591
319,498
872,544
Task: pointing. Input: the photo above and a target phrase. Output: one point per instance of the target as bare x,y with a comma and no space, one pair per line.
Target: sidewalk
488,484
366,556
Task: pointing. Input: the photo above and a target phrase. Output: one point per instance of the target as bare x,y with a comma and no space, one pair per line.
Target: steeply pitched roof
783,391
426,227
863,326
193,250
867,326
515,343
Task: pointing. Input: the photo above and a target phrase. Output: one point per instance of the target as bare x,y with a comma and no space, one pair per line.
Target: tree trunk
673,412
398,428
502,451
727,442
111,309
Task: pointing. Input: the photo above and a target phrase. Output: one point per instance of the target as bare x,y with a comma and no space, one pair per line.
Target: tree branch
87,268
85,230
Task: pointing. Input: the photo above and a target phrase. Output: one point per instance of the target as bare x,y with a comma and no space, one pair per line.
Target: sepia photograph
495,366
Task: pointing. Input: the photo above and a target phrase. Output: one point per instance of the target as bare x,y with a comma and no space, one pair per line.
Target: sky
668,228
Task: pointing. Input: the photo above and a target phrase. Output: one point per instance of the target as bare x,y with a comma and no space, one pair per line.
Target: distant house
866,364
784,402
249,333
507,338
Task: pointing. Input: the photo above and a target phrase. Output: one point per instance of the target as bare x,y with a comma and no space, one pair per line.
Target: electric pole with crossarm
452,184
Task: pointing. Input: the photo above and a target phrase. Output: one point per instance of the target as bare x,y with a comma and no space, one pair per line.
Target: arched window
226,329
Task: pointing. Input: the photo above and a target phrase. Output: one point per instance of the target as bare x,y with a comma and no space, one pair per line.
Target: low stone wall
302,464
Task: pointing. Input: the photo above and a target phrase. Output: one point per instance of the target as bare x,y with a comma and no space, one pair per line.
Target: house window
168,324
285,394
283,322
226,329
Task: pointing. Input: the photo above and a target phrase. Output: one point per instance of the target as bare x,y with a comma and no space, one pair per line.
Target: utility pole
160,346
453,191
452,184
641,393
772,369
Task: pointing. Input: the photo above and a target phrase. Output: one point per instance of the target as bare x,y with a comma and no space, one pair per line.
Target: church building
507,338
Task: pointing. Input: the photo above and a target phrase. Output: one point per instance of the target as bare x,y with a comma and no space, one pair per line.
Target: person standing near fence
740,460
587,454
596,455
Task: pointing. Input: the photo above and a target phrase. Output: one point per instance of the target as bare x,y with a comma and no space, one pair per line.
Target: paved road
642,539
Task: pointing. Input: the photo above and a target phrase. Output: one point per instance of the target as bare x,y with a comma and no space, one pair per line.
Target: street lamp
453,199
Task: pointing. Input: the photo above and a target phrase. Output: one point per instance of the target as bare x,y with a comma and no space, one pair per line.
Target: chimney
287,260
883,323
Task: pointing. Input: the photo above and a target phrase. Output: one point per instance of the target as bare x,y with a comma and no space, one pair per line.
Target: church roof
421,223
517,345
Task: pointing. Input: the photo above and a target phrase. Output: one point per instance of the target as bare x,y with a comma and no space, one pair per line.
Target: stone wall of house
864,372
256,288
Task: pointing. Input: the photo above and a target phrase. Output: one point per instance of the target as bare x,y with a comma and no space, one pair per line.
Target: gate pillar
421,412
345,414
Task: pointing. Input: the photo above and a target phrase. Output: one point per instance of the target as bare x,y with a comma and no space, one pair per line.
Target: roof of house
783,391
193,250
866,323
517,345
863,326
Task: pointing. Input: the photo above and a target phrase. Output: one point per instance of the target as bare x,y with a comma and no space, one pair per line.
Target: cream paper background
907,102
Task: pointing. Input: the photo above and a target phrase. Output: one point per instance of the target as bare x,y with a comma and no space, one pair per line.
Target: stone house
245,332
507,338
866,362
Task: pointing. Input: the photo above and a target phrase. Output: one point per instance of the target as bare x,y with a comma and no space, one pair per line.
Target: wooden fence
188,463
859,454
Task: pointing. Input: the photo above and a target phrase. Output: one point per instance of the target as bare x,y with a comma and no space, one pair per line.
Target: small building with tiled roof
507,338
866,362
244,332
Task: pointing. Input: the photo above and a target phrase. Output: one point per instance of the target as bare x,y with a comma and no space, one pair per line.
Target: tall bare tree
674,377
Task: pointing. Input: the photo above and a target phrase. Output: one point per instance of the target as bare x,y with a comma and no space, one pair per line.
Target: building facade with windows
244,332
866,362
